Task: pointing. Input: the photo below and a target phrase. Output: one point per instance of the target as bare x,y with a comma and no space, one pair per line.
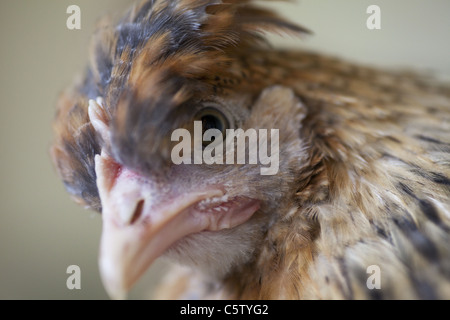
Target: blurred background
41,231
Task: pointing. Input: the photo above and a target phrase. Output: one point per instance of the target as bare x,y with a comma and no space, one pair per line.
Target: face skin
190,213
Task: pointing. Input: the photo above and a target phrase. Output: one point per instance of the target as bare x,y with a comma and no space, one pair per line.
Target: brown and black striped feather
376,186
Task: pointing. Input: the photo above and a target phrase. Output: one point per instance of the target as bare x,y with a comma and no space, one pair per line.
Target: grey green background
41,230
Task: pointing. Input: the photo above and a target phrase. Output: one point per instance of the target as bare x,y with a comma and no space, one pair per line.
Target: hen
363,178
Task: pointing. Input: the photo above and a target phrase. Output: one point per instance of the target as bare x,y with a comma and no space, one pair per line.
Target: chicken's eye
212,118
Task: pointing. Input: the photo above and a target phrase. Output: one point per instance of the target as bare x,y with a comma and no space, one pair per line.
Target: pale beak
139,224
132,236
141,220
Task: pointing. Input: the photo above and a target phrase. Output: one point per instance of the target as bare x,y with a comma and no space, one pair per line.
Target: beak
137,226
141,220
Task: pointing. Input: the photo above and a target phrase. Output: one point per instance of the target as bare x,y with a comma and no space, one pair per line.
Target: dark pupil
211,122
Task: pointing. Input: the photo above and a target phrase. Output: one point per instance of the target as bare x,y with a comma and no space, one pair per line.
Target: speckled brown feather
374,188
375,192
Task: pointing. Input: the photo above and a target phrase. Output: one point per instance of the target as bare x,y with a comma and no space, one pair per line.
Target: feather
364,175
